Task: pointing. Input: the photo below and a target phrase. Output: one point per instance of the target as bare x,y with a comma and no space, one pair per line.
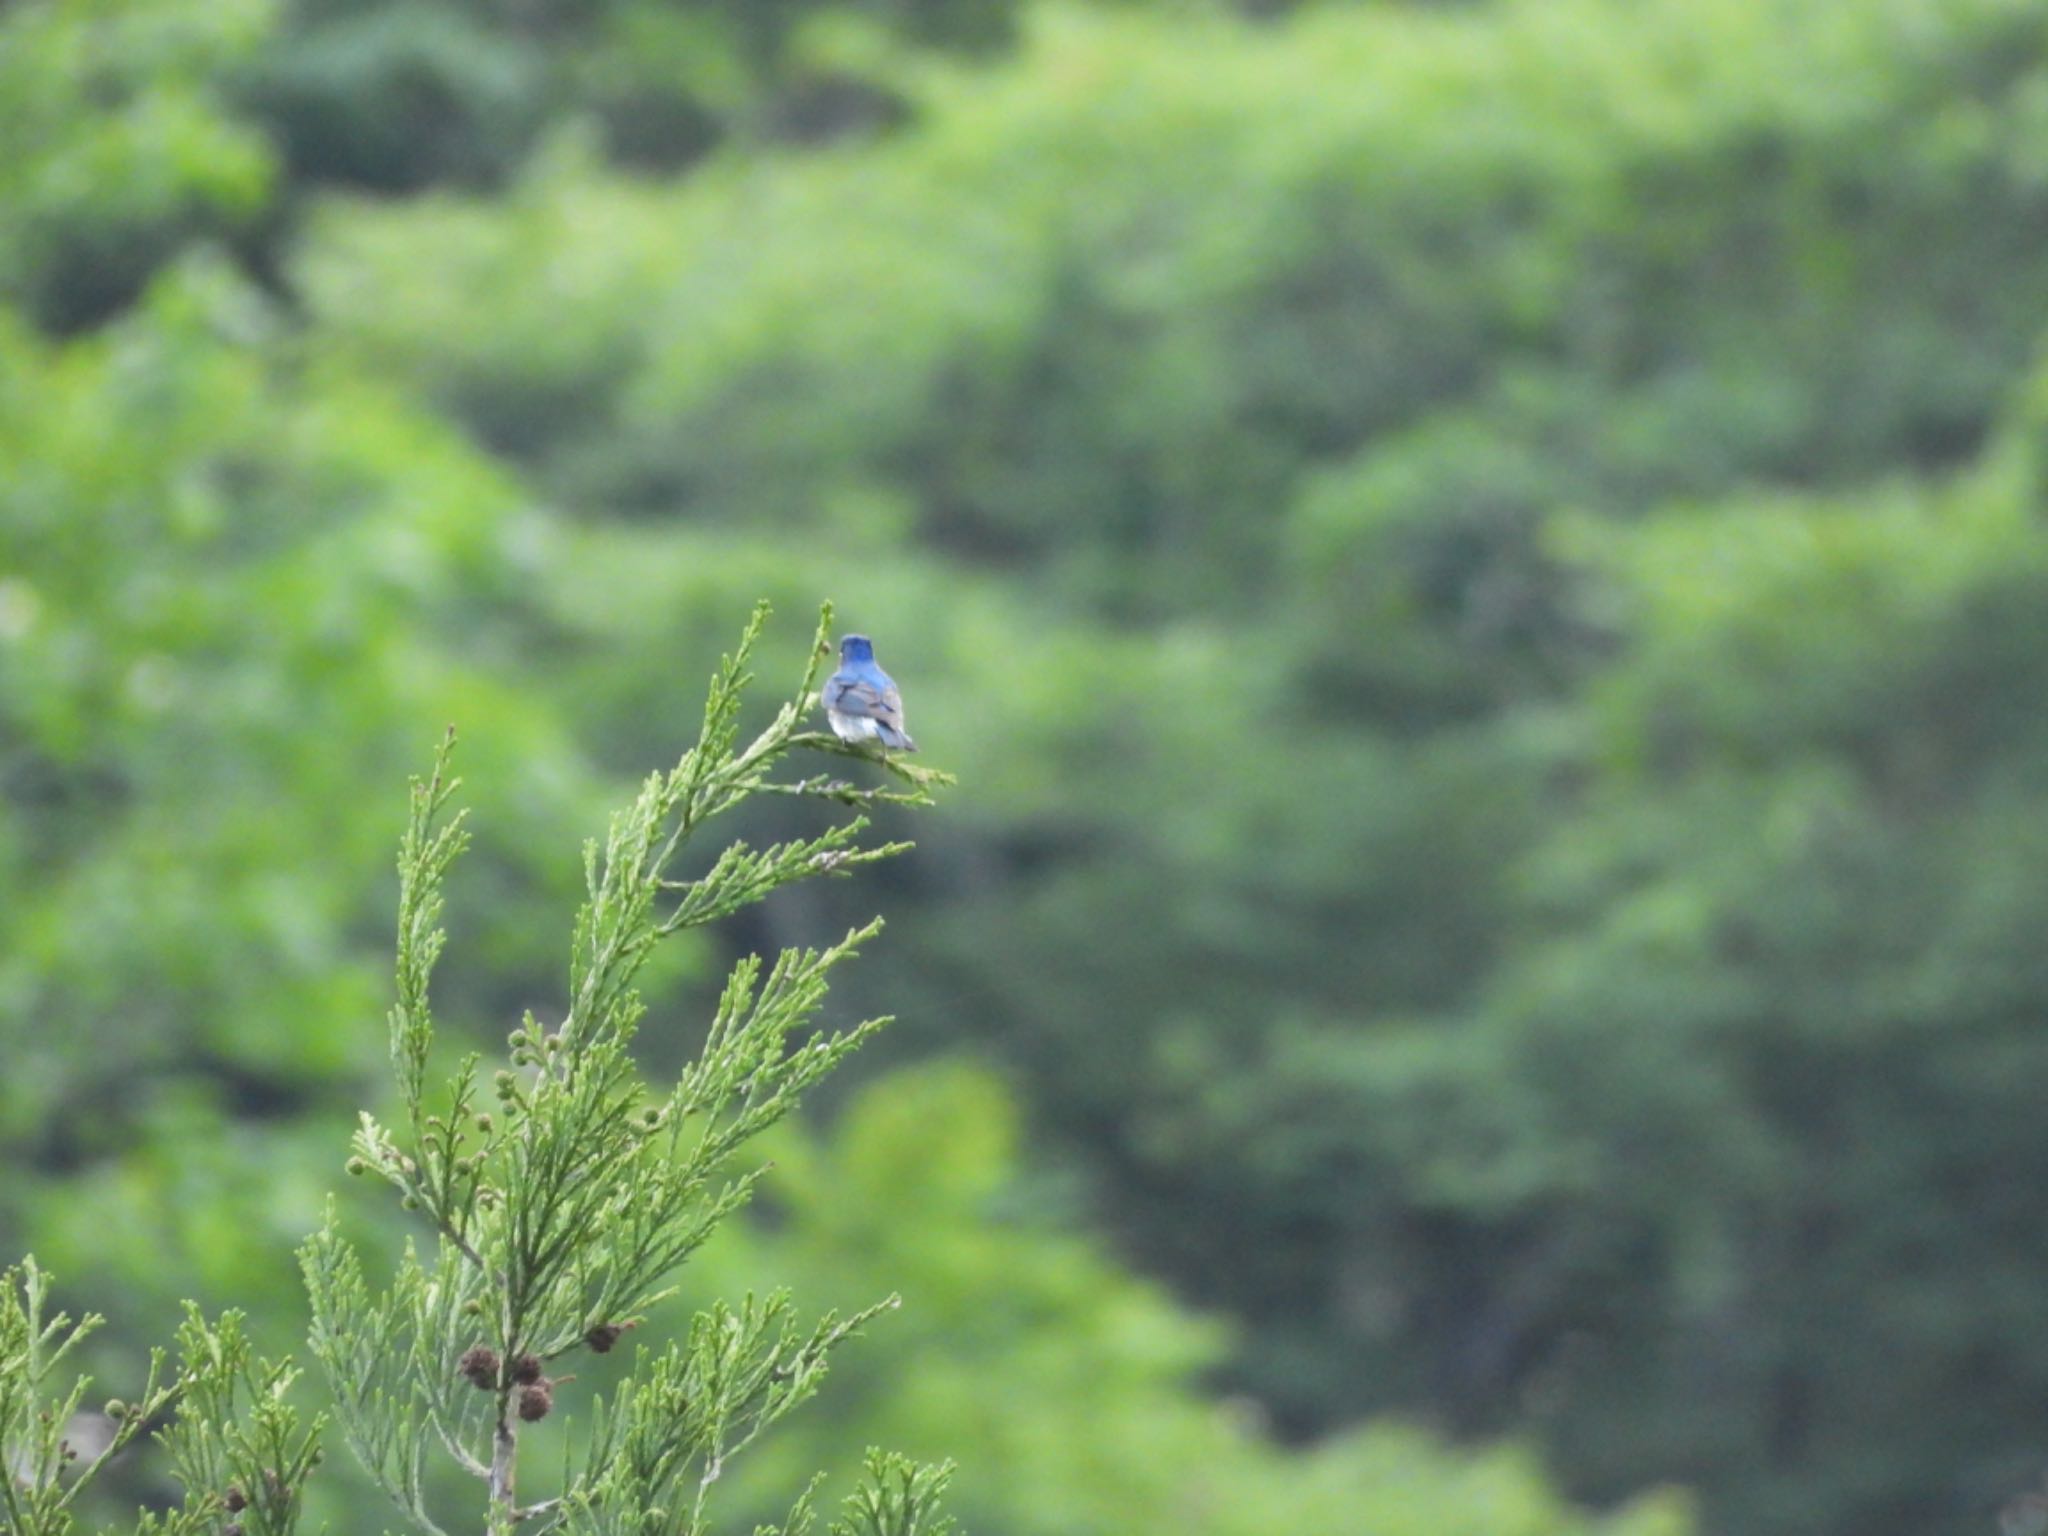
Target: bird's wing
860,696
891,712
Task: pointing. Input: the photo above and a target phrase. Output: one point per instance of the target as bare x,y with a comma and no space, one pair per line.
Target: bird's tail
893,739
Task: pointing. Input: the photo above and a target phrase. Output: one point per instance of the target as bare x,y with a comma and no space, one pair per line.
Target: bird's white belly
852,727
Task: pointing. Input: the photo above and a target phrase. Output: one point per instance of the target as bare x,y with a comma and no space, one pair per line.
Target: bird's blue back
868,671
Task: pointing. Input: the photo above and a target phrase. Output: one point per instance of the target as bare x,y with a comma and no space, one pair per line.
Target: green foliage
398,94
1300,395
1158,275
896,1501
560,1220
120,148
229,596
1485,563
41,1470
563,1214
1804,801
1061,1382
239,1448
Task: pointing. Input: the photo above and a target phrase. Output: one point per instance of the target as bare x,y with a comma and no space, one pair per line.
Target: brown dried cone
479,1366
526,1370
535,1400
236,1501
603,1337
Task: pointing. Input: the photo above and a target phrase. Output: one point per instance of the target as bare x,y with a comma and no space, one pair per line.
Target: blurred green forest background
1482,567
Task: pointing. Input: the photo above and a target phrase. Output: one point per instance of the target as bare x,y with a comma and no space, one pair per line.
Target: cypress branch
560,1217
554,1219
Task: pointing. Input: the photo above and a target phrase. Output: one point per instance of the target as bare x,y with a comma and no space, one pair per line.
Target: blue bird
861,699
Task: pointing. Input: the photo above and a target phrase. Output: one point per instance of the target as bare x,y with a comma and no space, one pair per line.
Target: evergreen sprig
558,1217
238,1446
44,1430
561,1214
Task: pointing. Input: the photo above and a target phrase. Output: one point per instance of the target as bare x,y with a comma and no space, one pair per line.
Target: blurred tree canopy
1482,567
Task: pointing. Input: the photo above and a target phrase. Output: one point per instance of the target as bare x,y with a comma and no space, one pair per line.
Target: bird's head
856,648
